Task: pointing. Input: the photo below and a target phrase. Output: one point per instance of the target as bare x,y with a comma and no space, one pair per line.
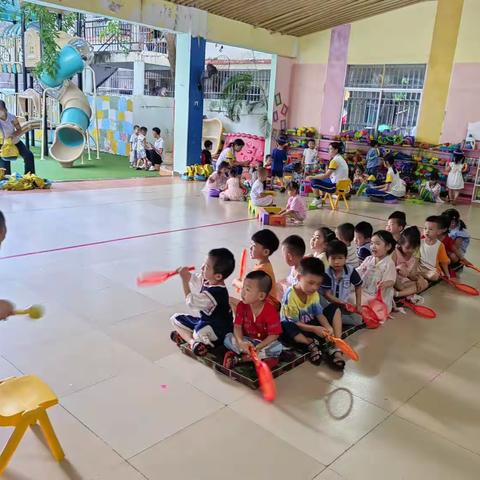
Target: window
377,95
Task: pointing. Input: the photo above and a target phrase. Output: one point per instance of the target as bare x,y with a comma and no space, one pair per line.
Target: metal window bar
385,76
159,83
120,83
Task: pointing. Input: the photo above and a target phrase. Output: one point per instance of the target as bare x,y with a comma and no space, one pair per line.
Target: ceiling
296,17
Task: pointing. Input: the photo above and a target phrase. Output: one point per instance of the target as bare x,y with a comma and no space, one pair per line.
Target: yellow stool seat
23,402
252,209
342,190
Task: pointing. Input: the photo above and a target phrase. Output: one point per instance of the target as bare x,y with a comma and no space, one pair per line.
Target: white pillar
138,78
271,103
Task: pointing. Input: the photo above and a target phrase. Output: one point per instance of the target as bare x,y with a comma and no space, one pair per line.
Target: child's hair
311,140
297,167
454,215
412,236
338,146
328,234
444,223
238,142
434,176
144,130
223,165
261,171
400,217
223,262
233,173
293,186
295,245
386,238
281,142
267,239
2,221
311,266
346,231
434,219
390,161
365,229
458,156
157,130
267,156
207,144
136,126
264,282
373,143
336,247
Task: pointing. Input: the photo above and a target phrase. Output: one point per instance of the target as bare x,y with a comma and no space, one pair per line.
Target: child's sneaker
230,360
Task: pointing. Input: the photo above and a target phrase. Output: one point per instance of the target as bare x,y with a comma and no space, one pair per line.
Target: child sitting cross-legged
218,179
319,241
257,193
339,280
293,250
346,234
363,238
296,210
205,292
304,321
405,256
256,323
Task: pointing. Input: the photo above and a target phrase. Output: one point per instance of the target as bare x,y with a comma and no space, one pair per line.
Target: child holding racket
304,321
256,323
205,292
378,271
6,307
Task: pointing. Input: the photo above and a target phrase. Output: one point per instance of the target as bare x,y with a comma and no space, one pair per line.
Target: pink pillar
335,80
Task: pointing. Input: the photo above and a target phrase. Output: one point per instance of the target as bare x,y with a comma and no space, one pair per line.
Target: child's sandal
176,338
315,353
337,361
199,349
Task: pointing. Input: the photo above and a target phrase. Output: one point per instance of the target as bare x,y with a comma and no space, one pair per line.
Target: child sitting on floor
319,242
256,323
434,260
454,253
378,270
430,192
396,223
405,257
205,292
346,234
339,280
264,243
257,193
458,230
363,237
6,307
218,179
394,186
304,321
296,210
359,178
293,249
233,191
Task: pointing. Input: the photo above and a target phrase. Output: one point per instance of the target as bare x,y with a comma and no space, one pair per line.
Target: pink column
335,80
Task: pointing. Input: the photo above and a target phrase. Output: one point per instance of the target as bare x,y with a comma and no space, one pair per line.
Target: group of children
345,268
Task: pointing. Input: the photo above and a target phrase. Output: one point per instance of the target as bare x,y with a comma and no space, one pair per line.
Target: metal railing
132,38
120,83
159,83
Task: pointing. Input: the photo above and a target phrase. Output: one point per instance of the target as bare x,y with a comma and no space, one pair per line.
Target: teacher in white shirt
155,151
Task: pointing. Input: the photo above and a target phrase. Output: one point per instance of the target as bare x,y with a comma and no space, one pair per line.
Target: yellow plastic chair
343,188
252,209
23,403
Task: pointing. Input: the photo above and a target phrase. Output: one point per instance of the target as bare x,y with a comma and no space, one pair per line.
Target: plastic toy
9,150
420,310
214,193
463,287
34,312
343,346
18,182
265,377
470,265
154,278
269,216
243,266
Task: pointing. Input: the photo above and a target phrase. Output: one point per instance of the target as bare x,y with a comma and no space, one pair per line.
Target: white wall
155,112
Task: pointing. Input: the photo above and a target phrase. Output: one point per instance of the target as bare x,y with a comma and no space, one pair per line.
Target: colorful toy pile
18,182
197,172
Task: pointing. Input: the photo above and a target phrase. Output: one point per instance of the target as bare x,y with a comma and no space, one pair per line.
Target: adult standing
337,170
155,151
10,128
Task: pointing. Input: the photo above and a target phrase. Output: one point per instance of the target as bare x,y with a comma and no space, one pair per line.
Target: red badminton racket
419,310
243,266
265,377
343,346
154,278
379,306
463,287
369,317
470,265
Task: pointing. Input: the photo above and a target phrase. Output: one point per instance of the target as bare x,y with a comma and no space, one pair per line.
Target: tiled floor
133,407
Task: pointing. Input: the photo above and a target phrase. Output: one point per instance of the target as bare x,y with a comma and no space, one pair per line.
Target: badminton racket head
370,317
420,310
265,377
346,349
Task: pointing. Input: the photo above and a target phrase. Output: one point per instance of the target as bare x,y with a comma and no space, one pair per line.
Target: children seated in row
296,210
346,234
363,239
258,195
207,293
257,324
304,321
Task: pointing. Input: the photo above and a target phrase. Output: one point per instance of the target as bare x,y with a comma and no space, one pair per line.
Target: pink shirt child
297,205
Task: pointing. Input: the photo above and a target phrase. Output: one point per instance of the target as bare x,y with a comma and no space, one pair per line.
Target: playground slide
71,133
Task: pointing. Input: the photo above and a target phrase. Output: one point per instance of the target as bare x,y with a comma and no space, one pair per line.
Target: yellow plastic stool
252,209
23,403
343,188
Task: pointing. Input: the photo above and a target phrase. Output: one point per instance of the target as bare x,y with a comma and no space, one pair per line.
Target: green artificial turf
108,167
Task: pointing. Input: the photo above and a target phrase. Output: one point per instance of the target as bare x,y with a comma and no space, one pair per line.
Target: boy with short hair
363,236
133,146
205,292
6,307
206,155
346,234
279,157
256,323
304,321
433,256
309,158
339,280
396,223
258,195
293,250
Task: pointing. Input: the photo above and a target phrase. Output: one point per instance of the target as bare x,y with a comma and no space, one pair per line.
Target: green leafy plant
112,32
235,101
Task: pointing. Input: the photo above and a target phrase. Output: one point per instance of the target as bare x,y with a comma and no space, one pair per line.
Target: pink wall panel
283,87
463,105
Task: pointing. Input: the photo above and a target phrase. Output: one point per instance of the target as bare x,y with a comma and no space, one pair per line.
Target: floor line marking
122,239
